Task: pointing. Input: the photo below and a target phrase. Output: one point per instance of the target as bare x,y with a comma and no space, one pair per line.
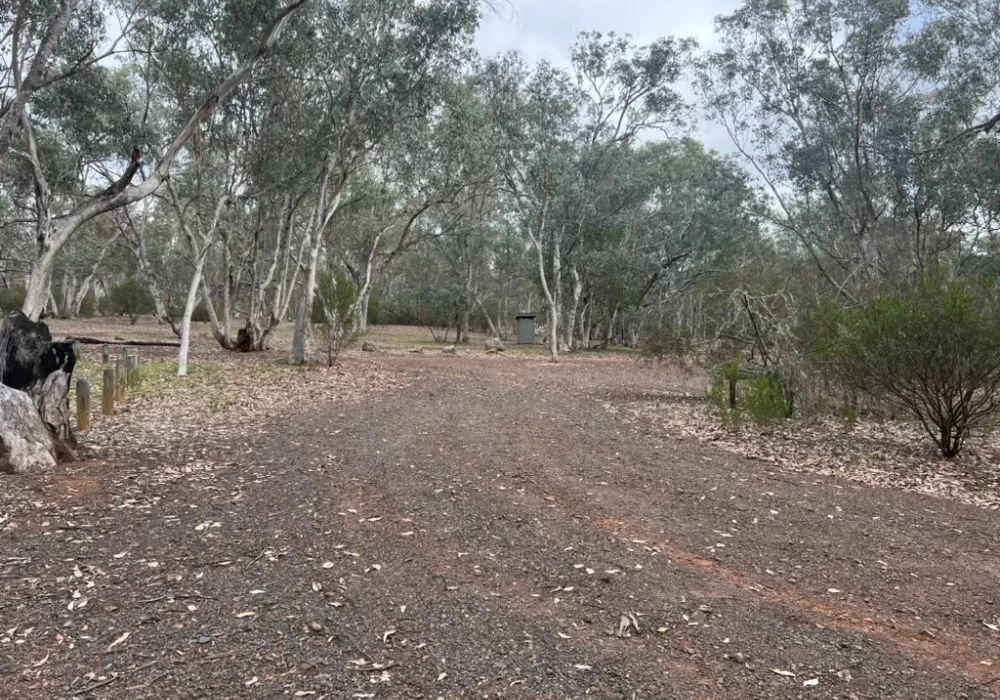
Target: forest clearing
499,348
473,525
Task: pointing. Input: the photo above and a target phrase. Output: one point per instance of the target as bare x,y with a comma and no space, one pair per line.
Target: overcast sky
545,29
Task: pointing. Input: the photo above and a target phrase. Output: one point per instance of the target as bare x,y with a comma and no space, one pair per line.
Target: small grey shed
525,328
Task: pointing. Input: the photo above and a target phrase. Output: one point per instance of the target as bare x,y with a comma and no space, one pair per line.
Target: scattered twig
91,688
368,668
216,657
149,664
155,679
257,558
178,596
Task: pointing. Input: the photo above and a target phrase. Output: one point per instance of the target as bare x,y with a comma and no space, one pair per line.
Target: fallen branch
122,341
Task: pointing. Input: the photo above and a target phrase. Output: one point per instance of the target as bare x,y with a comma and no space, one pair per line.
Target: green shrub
12,299
721,394
130,299
765,400
665,342
736,394
933,351
333,313
198,315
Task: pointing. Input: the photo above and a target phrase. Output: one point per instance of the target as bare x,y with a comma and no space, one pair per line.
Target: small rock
315,627
449,350
204,640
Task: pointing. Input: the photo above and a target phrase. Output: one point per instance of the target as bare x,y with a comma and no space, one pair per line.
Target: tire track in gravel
455,440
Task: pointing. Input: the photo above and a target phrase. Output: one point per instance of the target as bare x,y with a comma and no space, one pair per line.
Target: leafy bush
333,313
721,392
765,400
12,298
760,397
933,351
198,315
130,299
665,342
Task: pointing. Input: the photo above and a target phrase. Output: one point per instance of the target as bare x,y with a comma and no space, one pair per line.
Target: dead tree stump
33,365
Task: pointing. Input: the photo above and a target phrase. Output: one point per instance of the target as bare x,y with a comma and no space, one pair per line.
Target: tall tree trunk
302,334
189,304
556,294
39,284
538,240
570,322
53,304
81,294
363,311
66,293
323,212
135,236
467,296
586,323
494,330
611,329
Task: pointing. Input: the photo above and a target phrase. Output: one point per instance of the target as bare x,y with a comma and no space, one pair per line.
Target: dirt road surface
489,530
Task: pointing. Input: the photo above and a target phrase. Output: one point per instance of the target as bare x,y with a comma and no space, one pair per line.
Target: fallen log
121,341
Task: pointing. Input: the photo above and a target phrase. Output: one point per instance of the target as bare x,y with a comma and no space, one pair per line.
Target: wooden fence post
82,404
108,393
131,369
119,381
104,354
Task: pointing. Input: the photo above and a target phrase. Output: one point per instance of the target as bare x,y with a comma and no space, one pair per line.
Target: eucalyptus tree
628,93
372,69
534,112
262,260
150,233
841,108
28,46
564,136
678,212
189,50
417,187
958,48
93,257
385,219
468,171
81,130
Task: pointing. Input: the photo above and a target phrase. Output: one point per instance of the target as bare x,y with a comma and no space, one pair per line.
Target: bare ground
427,526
